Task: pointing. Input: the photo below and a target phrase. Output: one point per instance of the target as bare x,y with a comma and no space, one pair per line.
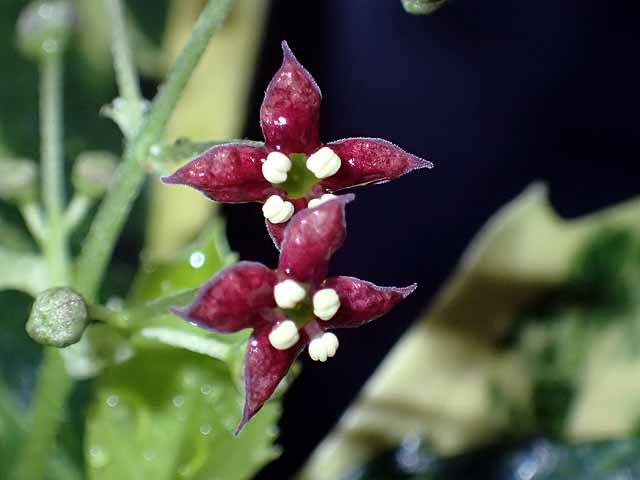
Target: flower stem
35,222
115,207
126,75
57,252
76,211
52,390
53,385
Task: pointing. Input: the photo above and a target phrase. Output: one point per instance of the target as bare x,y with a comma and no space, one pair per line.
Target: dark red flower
294,168
292,306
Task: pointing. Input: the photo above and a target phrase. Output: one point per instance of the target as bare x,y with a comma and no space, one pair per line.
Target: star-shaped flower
294,169
292,306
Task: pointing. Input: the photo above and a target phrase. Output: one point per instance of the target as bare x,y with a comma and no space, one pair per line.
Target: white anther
325,303
321,348
284,335
277,210
275,167
314,202
288,293
324,163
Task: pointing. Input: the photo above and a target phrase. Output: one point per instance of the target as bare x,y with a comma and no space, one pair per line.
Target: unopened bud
44,28
93,172
17,179
422,7
58,317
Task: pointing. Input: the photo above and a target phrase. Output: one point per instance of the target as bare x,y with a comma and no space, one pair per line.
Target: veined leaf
170,414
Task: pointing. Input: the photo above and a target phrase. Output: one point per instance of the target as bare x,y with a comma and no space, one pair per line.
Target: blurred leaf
473,388
423,7
168,414
22,271
190,269
537,460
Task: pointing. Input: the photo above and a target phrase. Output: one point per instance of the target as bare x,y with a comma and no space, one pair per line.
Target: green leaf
190,269
170,414
22,271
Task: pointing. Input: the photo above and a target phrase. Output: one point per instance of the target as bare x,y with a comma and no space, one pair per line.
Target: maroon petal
290,112
231,300
361,302
264,368
370,160
311,238
227,173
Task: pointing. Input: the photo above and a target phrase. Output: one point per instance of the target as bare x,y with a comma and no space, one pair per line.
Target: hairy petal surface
361,302
233,299
264,368
227,173
370,160
311,238
290,112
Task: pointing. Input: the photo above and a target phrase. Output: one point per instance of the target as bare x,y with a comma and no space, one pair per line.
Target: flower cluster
293,175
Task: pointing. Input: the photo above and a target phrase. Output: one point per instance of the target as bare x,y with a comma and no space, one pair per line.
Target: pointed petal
290,112
370,160
264,368
361,302
233,298
311,238
227,173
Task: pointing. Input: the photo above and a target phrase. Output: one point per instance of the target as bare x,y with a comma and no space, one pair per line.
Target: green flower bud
17,179
93,172
58,317
44,28
422,7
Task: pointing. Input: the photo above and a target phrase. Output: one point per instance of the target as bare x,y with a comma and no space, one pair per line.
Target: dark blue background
497,94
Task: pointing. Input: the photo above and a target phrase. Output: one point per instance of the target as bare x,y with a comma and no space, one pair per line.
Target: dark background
497,94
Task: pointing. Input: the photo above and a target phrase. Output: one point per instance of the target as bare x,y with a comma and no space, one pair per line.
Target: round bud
93,171
422,7
44,28
18,178
58,317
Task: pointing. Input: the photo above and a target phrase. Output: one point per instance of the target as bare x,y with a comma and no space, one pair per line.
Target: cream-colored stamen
324,163
277,210
284,335
276,167
314,202
325,303
288,293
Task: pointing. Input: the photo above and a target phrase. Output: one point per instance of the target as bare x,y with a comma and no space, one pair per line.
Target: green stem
114,209
53,168
53,385
50,395
35,222
76,211
126,75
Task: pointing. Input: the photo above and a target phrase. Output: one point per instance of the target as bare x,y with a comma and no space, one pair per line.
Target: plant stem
76,211
52,390
35,222
54,385
53,168
126,76
115,207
